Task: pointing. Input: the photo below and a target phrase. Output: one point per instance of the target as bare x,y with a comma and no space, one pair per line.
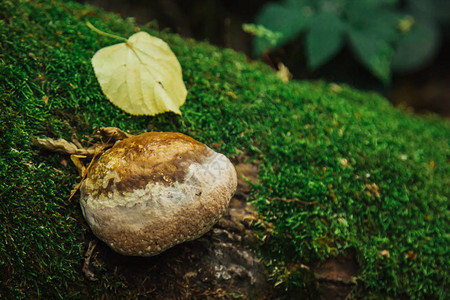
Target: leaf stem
92,27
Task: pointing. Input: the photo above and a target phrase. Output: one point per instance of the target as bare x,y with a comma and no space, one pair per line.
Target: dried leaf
411,255
141,76
59,145
385,253
372,189
77,152
344,162
338,269
77,162
65,147
112,134
283,73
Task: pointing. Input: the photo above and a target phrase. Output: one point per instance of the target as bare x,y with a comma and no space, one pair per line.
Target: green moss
316,142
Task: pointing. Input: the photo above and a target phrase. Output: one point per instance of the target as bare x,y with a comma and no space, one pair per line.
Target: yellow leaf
141,76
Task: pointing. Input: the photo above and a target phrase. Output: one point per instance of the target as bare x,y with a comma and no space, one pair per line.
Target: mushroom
155,190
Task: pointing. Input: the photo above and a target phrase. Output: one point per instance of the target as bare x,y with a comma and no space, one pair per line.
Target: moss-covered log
378,177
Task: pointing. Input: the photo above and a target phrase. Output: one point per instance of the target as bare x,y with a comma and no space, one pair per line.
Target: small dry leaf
141,76
112,134
336,88
232,95
77,152
372,189
344,162
385,253
77,162
65,147
341,268
59,145
411,255
283,73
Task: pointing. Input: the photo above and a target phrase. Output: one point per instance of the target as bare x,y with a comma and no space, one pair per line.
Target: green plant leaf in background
262,32
372,37
374,29
324,39
417,47
377,20
289,18
431,10
375,54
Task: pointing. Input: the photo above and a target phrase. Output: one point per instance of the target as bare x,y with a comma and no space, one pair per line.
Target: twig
296,201
77,187
87,260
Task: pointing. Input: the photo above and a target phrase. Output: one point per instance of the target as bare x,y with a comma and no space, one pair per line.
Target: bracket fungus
155,190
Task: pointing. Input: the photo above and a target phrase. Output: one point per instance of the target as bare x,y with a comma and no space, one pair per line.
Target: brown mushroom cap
155,190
